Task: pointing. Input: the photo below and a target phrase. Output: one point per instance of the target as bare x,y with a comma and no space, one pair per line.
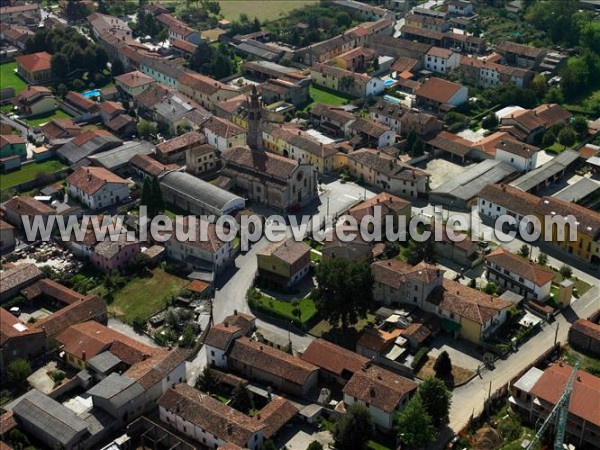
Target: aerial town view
299,224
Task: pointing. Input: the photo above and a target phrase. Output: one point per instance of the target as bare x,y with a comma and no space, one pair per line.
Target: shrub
420,358
566,271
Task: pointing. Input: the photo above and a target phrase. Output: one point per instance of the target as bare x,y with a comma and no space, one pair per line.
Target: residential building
291,142
271,366
351,83
18,340
284,263
441,60
335,363
584,335
271,179
18,208
527,124
358,59
173,151
385,208
521,55
205,90
162,70
132,84
548,173
35,67
371,133
207,252
97,187
490,74
460,7
537,392
17,277
35,101
202,159
459,248
586,245
220,337
384,171
382,392
518,274
110,255
437,24
520,155
60,130
333,120
497,200
7,238
364,11
20,13
146,166
441,95
223,134
197,196
12,145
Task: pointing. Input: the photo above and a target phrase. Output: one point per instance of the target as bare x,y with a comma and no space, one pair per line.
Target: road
468,399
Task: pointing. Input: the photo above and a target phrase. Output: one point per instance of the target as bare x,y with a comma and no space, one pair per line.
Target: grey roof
512,297
73,153
117,389
113,159
173,109
527,381
49,416
537,176
199,191
469,183
103,362
259,49
578,191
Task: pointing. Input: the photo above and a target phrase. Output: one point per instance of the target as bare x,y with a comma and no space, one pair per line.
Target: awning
450,326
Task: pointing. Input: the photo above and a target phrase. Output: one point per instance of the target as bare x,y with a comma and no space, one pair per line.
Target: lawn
29,172
285,309
345,338
36,121
322,95
144,297
588,363
265,10
579,285
9,78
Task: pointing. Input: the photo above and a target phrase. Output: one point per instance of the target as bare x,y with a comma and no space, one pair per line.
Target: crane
559,413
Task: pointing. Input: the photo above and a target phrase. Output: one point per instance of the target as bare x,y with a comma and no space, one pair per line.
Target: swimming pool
92,93
388,83
391,99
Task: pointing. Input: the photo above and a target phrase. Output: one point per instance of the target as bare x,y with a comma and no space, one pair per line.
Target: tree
554,95
524,251
315,445
241,399
421,251
354,429
490,288
18,370
490,122
146,129
566,271
147,199
539,85
59,65
567,137
443,366
542,259
207,381
202,58
269,445
436,400
548,139
414,144
343,294
580,125
414,425
159,202
222,66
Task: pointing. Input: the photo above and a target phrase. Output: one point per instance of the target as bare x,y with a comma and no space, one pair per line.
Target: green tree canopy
354,429
443,366
18,370
436,399
414,425
344,291
242,399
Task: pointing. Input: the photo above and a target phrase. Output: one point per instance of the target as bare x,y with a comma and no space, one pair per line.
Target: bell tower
254,121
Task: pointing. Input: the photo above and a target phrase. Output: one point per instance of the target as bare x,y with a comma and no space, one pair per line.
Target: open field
322,95
36,121
459,374
265,10
9,78
29,172
144,297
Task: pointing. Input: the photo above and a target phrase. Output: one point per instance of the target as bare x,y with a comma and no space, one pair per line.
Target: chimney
83,355
235,312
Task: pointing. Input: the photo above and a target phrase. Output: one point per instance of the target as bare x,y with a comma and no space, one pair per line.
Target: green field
144,297
9,78
265,10
285,309
29,172
36,121
321,95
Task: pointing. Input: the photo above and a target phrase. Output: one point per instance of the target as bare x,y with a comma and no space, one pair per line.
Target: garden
300,312
29,172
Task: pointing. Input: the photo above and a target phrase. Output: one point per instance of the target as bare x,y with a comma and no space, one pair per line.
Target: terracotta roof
92,179
517,148
451,143
404,64
268,359
197,286
210,414
331,112
32,92
209,242
333,358
27,206
440,52
390,205
516,72
153,370
467,303
385,164
588,220
488,144
148,164
81,102
395,273
7,423
521,266
223,127
203,83
438,89
110,107
11,327
134,79
510,198
220,335
245,321
585,397
52,289
61,128
180,142
184,45
109,249
288,250
299,139
260,162
520,49
379,387
588,328
369,127
35,62
275,415
90,308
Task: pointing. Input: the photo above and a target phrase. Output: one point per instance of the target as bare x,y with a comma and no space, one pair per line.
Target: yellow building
586,244
284,263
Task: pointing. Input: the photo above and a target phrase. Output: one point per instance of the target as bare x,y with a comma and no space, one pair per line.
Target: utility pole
556,333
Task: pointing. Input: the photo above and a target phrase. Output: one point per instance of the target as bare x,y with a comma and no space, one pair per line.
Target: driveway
127,330
299,437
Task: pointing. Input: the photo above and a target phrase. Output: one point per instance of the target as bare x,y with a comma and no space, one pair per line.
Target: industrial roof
103,362
469,183
87,144
113,159
200,192
117,389
578,191
537,176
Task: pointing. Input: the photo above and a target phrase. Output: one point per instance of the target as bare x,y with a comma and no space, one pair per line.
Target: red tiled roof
588,328
91,179
220,335
333,358
438,90
90,308
134,79
27,206
521,266
180,142
35,62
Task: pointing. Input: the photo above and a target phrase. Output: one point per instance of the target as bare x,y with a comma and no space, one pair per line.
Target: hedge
420,358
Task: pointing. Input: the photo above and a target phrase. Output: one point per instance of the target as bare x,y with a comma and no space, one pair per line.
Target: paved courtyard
442,170
462,353
299,437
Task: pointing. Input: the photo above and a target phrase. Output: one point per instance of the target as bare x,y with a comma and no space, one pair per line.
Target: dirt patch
487,438
460,374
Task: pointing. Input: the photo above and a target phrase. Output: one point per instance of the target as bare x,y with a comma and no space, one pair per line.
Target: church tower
254,121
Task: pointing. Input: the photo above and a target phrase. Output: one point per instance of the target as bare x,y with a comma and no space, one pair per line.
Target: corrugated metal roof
113,159
579,190
117,389
537,176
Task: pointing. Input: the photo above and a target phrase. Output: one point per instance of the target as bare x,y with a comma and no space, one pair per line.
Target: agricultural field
9,78
264,10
